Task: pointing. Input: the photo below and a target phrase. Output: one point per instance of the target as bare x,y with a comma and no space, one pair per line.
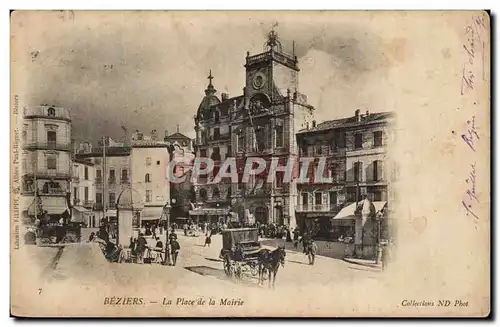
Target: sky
148,70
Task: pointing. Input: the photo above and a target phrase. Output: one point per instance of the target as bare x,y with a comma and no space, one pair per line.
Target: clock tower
273,72
264,121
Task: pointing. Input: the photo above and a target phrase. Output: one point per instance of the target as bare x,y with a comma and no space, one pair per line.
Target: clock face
259,80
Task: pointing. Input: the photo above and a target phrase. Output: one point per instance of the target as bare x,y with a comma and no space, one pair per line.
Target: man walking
312,249
141,248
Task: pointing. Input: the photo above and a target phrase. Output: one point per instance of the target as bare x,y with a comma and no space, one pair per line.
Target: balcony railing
124,181
47,146
112,180
98,206
317,207
284,188
221,137
281,57
87,203
265,190
52,191
51,173
98,180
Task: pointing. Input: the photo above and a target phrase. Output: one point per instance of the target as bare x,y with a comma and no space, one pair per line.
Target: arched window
147,178
51,112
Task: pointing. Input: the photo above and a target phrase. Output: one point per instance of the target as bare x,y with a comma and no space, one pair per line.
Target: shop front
366,226
208,215
150,216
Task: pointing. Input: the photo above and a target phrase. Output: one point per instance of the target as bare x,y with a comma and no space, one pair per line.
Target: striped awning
347,212
81,209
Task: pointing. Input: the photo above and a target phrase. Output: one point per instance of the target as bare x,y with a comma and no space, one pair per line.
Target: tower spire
210,88
210,77
272,42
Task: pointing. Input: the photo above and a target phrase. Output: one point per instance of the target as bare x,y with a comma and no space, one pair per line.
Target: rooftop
366,119
110,152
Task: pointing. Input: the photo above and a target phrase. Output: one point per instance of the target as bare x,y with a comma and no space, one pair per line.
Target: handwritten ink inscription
474,49
471,135
470,198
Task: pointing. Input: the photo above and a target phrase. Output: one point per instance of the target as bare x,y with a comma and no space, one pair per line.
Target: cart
240,252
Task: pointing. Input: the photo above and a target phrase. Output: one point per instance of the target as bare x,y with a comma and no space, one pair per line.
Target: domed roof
129,199
207,102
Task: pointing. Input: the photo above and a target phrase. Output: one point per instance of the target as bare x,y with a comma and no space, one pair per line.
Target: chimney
166,136
314,123
307,125
368,112
224,96
154,135
357,115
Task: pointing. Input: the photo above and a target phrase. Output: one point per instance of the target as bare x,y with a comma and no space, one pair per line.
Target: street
83,274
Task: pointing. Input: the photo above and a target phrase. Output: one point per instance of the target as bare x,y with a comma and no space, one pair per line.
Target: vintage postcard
250,164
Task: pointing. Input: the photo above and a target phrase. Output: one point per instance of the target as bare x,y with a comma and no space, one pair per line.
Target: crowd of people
138,250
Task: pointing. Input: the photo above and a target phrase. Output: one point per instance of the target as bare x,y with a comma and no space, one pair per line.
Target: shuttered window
377,170
358,141
377,138
358,171
317,198
279,133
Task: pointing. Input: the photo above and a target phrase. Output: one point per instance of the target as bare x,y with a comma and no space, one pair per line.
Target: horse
270,261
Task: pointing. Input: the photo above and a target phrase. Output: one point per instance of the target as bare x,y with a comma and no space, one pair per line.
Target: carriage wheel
227,266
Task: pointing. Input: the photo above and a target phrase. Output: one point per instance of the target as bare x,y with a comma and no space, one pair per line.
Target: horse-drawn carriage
240,251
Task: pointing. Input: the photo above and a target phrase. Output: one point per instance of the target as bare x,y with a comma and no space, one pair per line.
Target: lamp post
166,210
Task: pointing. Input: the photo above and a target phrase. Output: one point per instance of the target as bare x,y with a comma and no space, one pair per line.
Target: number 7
39,291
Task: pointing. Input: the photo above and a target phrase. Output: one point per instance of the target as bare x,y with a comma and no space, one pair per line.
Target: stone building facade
83,190
357,161
149,160
46,161
112,175
182,154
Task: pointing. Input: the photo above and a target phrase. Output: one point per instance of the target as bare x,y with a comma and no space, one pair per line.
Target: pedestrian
385,256
305,241
141,248
289,234
159,244
172,236
295,238
133,243
312,249
174,248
